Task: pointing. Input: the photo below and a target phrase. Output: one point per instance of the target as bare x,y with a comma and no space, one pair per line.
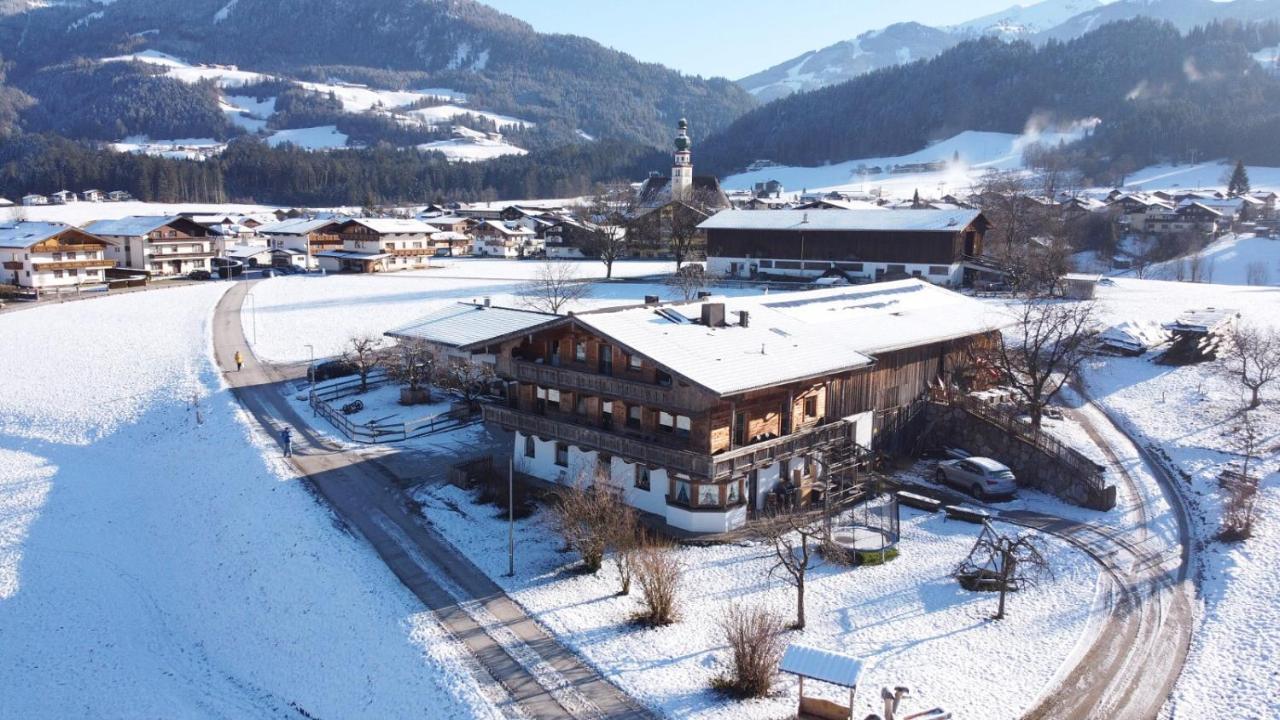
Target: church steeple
682,170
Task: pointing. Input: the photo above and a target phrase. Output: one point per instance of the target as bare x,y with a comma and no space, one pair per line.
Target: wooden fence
321,401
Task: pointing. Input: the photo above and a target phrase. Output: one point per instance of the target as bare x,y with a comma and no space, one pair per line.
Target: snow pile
908,619
157,560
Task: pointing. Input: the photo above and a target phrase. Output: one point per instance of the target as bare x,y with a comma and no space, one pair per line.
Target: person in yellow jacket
239,361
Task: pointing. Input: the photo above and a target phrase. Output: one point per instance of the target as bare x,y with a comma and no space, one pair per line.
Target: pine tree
1239,183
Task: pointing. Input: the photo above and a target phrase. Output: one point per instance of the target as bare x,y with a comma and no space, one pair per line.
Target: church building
670,207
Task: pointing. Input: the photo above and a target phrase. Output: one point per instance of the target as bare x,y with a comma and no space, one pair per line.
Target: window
634,413
580,407
642,477
553,395
708,495
895,269
57,273
604,464
71,255
733,493
850,266
530,446
662,378
580,351
938,269
682,491
606,413
666,422
682,425
562,454
634,362
606,359
811,406
786,265
57,256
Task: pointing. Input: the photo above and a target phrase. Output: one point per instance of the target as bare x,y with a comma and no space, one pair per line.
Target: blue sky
732,38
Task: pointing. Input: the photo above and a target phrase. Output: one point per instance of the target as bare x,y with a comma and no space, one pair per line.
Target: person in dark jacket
286,438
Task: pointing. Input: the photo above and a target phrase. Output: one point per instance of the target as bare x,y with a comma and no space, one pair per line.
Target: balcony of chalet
661,449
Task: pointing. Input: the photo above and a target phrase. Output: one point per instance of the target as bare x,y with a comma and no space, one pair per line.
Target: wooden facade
887,246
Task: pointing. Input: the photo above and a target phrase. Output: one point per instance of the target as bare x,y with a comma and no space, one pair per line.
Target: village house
118,196
379,244
448,243
1131,210
163,246
34,199
859,245
92,196
494,238
49,255
705,413
452,332
63,197
308,236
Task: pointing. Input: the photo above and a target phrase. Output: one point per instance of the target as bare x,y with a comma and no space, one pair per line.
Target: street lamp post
311,375
255,316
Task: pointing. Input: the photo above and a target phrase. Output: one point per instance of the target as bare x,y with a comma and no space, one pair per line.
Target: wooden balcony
186,255
72,264
609,386
412,252
13,265
731,463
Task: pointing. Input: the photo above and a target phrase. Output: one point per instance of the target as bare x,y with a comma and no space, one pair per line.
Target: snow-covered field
909,619
324,137
83,213
326,311
1191,413
158,560
472,149
1230,260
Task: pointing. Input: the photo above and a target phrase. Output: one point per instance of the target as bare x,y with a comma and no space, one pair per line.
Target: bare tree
412,363
1043,350
795,539
1253,357
756,643
468,378
658,573
589,513
364,352
1007,203
554,285
626,538
1241,486
690,279
682,220
605,224
1007,563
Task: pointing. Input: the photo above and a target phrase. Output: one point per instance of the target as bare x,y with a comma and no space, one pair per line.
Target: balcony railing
181,255
71,264
730,463
566,378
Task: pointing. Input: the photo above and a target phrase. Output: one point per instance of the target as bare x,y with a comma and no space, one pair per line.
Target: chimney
743,317
651,300
713,314
487,301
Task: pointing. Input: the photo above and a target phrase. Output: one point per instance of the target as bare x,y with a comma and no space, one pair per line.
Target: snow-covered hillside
963,156
1230,260
158,560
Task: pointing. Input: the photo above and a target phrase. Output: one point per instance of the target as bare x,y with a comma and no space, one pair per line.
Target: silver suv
981,477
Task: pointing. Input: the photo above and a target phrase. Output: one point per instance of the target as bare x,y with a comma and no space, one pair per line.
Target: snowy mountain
1040,22
563,85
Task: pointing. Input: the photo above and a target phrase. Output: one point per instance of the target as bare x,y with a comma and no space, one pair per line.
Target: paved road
541,676
1137,653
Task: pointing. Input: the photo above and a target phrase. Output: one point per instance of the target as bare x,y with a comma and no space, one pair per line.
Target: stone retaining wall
1034,467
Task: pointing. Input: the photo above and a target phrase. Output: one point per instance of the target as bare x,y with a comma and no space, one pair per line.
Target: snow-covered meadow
325,311
158,560
1191,414
909,618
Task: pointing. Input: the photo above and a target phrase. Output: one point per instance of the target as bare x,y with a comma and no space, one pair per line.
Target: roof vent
713,314
487,302
743,318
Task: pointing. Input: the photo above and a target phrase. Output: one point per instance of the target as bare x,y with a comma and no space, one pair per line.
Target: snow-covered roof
132,226
395,225
824,665
793,336
847,220
504,229
25,234
466,323
296,226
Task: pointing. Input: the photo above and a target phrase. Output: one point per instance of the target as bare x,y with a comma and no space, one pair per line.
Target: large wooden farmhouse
379,244
308,236
42,255
703,411
859,244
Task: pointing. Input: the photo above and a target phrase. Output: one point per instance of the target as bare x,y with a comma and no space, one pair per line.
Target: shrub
658,573
755,640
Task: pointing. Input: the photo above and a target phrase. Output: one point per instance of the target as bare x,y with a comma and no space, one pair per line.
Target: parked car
333,369
199,275
979,476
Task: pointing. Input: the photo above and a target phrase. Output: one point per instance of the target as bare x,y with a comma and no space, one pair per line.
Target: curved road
542,678
1136,654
